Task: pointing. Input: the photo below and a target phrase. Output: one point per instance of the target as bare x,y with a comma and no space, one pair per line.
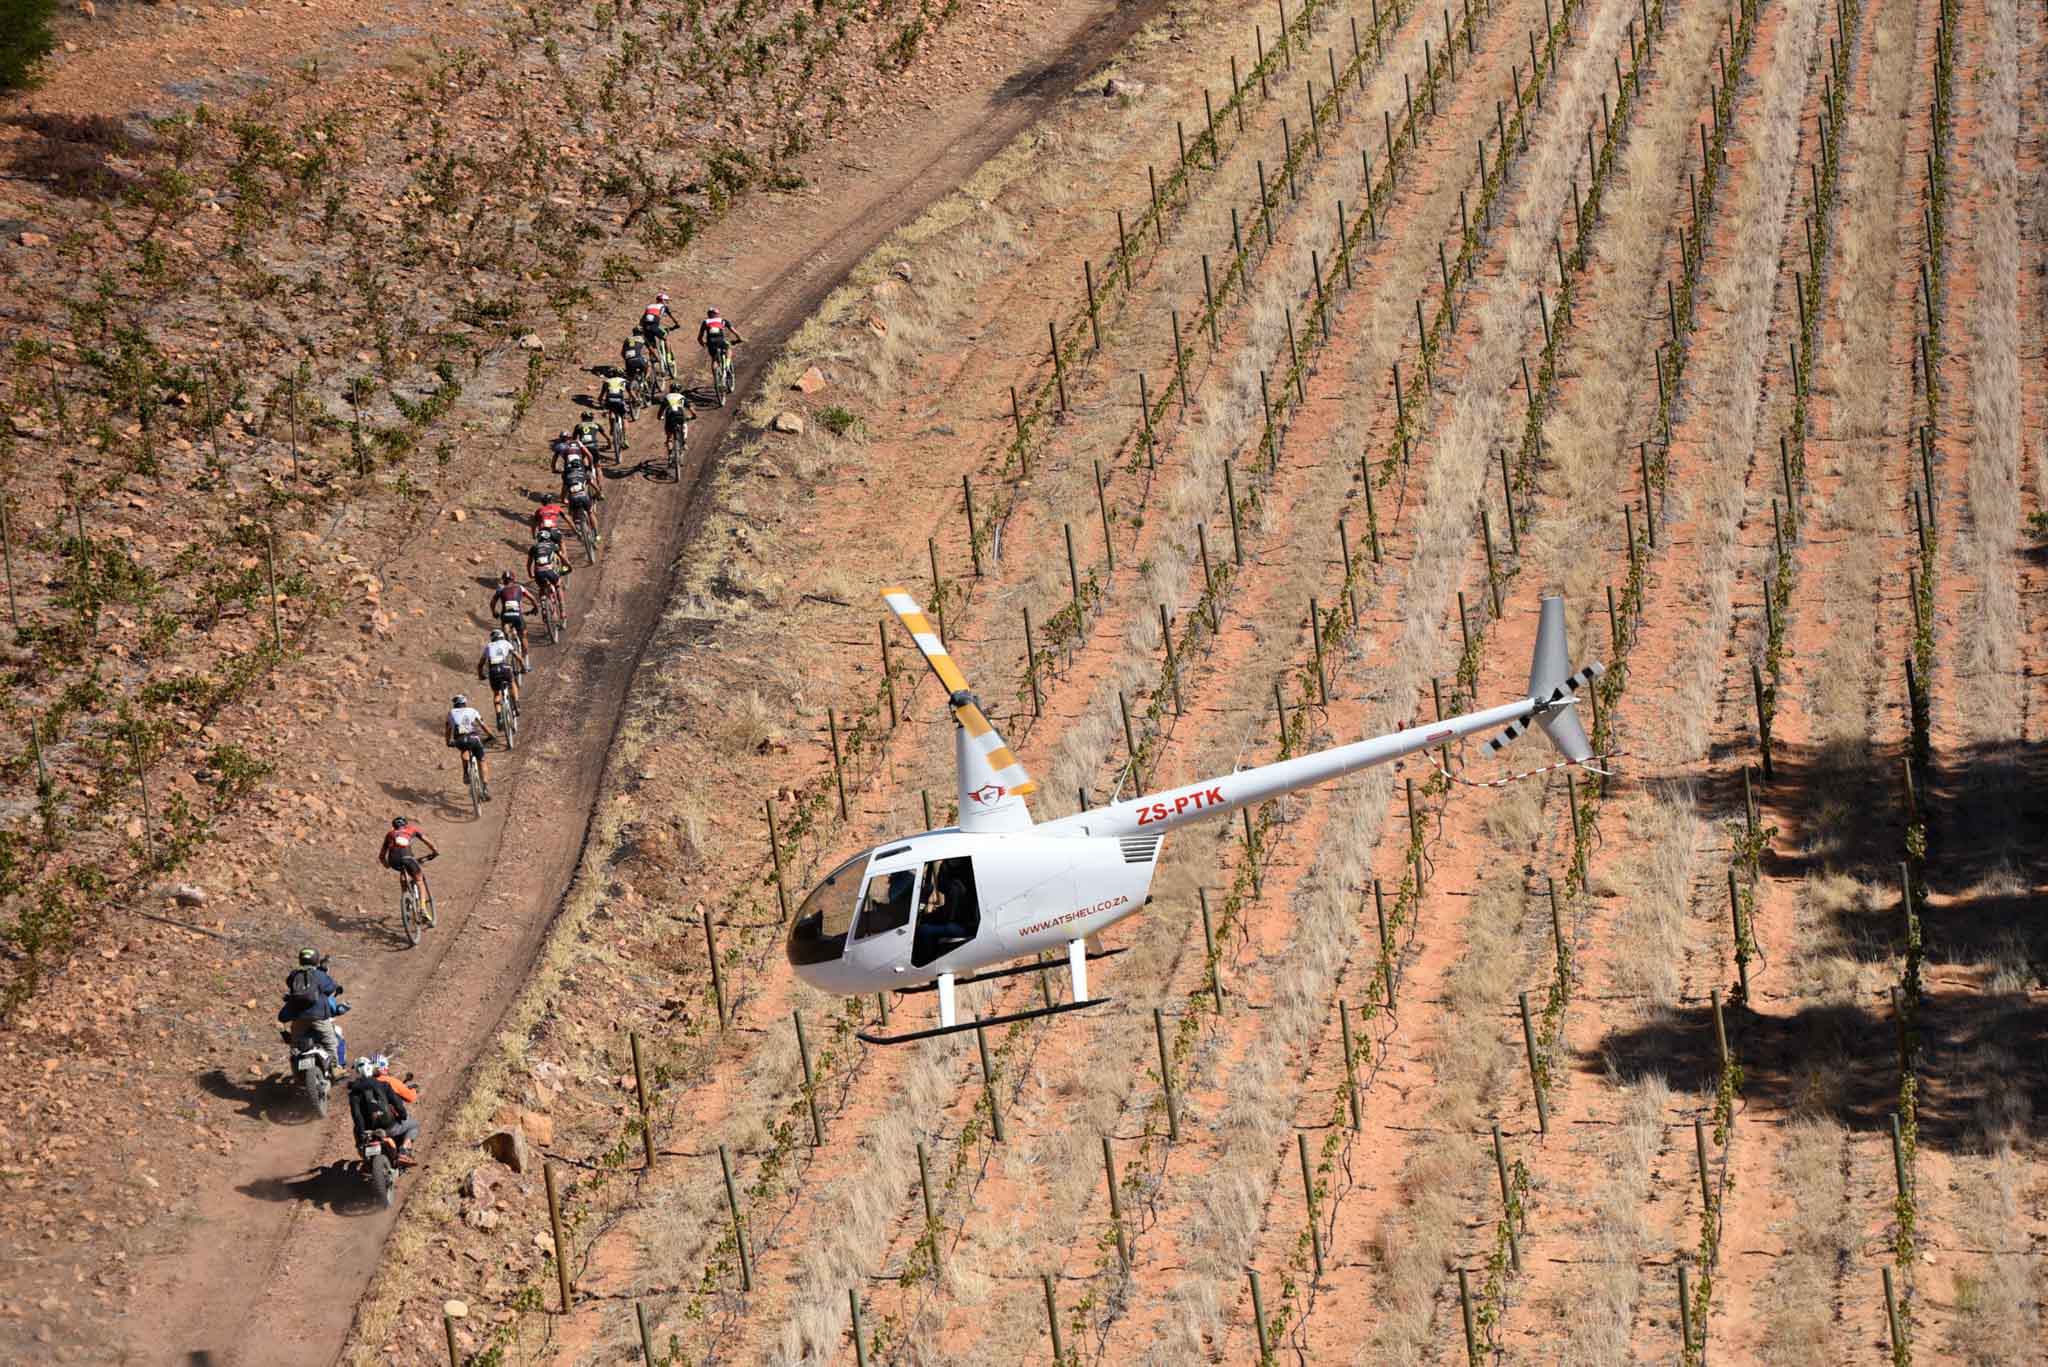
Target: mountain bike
415,903
667,361
676,437
721,373
586,531
552,612
473,778
617,430
508,717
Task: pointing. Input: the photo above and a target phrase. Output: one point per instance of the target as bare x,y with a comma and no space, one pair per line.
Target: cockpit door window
950,913
887,903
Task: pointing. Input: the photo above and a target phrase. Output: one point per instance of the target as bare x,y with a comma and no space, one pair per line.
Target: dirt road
280,1244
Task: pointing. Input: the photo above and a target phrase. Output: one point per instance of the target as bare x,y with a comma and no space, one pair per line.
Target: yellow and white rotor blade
992,779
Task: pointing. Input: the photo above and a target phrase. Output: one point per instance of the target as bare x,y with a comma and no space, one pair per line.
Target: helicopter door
881,928
949,910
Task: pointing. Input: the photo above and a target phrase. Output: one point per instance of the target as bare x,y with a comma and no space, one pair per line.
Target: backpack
301,990
374,1108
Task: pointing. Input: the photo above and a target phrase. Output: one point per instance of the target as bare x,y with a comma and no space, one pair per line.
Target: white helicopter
943,906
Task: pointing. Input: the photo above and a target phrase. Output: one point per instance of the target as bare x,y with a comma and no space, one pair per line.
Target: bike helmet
710,313
661,299
505,577
398,821
459,700
548,534
497,633
308,958
589,416
366,1069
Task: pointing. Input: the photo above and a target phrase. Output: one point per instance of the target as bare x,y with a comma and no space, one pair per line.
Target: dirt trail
230,1292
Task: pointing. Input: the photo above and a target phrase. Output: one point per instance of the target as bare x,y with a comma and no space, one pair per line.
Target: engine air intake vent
1139,849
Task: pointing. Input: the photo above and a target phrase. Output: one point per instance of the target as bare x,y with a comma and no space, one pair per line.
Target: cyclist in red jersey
551,516
398,853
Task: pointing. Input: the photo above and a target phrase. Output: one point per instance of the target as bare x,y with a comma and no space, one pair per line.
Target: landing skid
1047,967
1014,1016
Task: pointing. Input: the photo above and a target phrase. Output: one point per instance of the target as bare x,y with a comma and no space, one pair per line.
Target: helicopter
940,909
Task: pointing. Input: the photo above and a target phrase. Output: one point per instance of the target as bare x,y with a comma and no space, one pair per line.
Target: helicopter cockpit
894,908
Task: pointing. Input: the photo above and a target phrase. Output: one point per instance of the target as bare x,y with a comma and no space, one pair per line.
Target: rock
455,1310
539,1129
901,270
530,342
509,1147
787,422
186,895
774,743
481,1185
810,382
29,239
478,1218
1122,87
458,514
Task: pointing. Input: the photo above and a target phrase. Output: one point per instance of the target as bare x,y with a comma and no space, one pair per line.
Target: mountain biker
590,432
675,411
633,356
616,396
550,516
717,335
312,1002
579,491
653,318
508,605
397,852
496,663
377,1102
465,731
545,563
578,459
567,444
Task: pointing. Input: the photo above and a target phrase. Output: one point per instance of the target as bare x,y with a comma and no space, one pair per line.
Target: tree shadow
1986,868
271,1099
1841,1060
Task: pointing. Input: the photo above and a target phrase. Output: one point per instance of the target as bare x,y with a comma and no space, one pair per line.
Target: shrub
25,39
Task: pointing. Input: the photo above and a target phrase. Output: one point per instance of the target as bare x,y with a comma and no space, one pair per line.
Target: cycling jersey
464,721
634,357
397,852
614,390
589,434
498,654
675,409
716,333
510,603
548,516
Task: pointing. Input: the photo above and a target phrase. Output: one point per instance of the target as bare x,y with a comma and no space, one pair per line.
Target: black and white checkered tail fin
1552,691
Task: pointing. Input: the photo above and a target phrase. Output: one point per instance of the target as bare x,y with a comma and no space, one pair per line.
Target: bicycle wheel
473,776
551,610
409,910
618,434
508,719
588,534
675,453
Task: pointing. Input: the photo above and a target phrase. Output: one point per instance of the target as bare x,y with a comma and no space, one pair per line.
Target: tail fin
1553,690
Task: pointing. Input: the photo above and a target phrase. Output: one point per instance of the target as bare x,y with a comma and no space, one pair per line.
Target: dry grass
1649,938
1725,401
1818,1241
1988,664
1602,1306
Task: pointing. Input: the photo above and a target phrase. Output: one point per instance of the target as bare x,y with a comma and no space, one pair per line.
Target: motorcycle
379,1163
312,1064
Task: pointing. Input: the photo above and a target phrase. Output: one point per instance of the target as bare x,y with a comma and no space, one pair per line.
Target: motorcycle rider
377,1101
312,1002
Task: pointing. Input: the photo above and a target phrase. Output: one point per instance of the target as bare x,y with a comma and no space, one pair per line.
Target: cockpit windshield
819,935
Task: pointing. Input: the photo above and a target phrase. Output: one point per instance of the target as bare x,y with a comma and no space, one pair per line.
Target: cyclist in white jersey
500,664
466,731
